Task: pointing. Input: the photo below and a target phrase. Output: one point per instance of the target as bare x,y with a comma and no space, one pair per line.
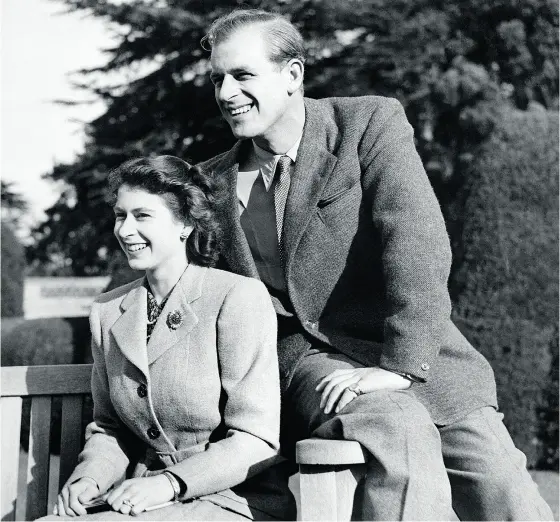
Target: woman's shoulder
116,294
226,281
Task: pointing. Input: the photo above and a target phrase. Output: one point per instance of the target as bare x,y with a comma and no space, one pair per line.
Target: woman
185,375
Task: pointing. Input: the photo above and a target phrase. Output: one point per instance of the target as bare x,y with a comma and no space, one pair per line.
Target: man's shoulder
210,163
222,160
353,106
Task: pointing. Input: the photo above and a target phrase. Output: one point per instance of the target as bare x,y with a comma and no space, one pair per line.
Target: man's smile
240,110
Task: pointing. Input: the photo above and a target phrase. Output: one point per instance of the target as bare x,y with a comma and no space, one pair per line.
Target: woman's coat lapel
129,331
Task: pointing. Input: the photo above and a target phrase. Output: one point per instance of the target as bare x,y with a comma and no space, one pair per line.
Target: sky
40,46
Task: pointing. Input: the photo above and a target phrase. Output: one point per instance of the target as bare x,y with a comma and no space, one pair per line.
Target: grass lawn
548,486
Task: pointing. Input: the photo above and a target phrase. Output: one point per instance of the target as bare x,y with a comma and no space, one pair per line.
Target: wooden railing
329,470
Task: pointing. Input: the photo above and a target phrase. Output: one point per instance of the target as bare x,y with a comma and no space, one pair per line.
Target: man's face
251,91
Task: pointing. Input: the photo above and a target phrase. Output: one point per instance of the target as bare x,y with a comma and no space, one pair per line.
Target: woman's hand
135,495
72,497
337,387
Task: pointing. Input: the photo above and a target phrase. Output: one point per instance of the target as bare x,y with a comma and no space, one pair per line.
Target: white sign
61,296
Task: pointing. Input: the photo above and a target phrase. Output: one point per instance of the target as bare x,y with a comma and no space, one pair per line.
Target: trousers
417,470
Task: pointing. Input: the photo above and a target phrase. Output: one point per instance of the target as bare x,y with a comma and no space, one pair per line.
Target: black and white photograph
279,260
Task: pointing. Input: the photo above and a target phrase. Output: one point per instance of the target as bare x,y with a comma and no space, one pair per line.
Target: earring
183,236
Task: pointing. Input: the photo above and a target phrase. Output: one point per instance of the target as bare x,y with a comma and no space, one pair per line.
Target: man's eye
244,76
142,215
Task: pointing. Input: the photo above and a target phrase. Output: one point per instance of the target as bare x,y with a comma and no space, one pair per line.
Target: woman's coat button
142,391
153,432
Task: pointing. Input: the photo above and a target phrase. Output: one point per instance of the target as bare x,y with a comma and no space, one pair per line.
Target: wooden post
329,473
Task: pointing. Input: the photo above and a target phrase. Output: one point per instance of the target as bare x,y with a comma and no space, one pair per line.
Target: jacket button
425,366
153,432
311,324
142,391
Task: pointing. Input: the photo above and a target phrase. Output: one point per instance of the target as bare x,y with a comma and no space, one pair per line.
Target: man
329,205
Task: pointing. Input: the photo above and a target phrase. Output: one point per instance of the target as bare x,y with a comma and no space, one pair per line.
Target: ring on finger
356,389
128,503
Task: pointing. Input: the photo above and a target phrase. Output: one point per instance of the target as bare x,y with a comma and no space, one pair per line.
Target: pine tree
448,63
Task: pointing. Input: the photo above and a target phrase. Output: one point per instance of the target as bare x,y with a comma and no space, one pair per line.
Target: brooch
174,319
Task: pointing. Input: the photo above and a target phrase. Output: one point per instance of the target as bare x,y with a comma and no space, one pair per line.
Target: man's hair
284,41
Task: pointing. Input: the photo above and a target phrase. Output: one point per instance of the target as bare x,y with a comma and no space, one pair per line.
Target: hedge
13,269
505,277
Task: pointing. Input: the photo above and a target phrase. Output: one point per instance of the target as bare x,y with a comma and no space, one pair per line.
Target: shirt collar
267,160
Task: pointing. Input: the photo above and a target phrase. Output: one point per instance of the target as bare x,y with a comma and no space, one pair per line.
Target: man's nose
228,88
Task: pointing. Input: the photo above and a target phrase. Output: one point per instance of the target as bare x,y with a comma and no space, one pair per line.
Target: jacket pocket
335,197
341,209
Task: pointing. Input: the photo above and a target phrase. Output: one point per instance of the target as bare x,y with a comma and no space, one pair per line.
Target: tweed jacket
367,253
201,398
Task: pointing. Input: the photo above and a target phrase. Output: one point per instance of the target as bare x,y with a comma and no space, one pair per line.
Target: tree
13,204
447,62
505,284
13,268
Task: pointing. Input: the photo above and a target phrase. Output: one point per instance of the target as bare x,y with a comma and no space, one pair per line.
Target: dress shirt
260,162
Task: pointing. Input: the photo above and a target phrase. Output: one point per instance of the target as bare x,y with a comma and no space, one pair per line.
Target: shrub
505,277
47,341
13,268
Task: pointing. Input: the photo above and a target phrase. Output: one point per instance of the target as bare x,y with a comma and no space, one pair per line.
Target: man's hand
337,391
135,495
72,497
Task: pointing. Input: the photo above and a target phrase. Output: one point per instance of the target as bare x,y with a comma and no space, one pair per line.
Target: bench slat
39,458
63,379
71,435
11,424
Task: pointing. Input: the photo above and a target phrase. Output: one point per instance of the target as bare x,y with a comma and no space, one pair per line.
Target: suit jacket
201,399
367,253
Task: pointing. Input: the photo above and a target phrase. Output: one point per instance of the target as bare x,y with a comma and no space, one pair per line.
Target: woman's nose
126,227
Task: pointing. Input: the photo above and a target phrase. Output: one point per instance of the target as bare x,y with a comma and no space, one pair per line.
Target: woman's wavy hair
191,196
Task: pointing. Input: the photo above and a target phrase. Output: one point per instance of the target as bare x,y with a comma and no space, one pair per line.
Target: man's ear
295,69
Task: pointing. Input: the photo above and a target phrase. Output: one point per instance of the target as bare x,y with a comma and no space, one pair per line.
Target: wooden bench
329,470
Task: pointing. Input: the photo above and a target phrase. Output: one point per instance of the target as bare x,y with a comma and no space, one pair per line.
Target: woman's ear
295,70
186,232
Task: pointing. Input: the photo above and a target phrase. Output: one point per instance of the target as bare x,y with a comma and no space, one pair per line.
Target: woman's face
147,230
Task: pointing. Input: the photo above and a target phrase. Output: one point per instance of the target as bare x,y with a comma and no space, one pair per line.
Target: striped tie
281,187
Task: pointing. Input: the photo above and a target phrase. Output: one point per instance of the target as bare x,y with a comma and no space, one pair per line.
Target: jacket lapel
187,290
236,252
129,331
313,168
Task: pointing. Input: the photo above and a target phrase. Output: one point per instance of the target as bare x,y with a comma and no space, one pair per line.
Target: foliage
548,413
47,341
13,204
448,62
505,284
13,268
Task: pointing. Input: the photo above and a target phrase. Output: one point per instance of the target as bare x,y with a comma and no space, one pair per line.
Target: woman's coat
201,399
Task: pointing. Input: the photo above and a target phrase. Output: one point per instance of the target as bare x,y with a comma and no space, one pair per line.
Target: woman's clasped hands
131,497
